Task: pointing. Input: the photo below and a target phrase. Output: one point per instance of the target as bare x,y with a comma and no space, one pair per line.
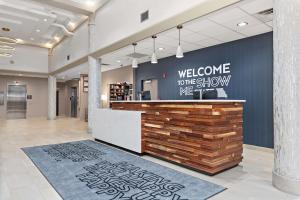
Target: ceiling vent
145,16
266,12
265,15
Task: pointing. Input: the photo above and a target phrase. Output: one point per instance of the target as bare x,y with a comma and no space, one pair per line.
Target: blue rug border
24,150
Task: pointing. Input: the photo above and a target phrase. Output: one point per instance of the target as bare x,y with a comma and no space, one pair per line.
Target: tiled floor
21,180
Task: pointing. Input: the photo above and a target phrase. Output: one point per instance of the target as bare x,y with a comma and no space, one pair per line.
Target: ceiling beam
68,5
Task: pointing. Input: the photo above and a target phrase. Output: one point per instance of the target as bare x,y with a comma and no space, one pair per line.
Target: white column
51,98
92,35
286,172
94,90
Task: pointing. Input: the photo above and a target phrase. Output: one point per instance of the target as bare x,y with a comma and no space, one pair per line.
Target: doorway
152,86
16,101
74,100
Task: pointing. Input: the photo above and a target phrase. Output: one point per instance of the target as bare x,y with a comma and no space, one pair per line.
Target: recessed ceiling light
72,24
20,41
90,3
5,29
31,38
161,48
118,61
48,45
56,38
242,24
45,20
38,30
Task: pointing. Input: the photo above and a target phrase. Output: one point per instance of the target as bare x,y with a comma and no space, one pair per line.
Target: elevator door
16,101
73,102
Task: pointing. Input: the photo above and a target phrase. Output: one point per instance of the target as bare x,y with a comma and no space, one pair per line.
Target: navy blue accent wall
251,79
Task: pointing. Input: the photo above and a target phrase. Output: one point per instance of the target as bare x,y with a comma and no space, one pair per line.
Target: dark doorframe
57,103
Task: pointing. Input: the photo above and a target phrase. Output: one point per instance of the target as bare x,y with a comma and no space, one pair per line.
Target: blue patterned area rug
88,170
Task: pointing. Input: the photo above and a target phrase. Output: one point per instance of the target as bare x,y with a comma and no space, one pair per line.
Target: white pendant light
179,52
154,57
134,61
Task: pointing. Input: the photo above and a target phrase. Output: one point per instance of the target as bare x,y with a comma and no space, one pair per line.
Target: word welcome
197,79
205,71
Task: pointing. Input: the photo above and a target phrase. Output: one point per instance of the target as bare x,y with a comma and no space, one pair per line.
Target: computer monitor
196,95
146,95
210,94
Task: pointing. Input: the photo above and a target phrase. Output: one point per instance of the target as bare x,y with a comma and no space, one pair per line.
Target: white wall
26,58
75,46
115,21
122,18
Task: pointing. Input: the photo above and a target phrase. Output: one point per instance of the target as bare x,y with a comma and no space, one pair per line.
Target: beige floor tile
21,180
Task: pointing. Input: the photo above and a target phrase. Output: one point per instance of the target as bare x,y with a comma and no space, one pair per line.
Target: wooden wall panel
204,136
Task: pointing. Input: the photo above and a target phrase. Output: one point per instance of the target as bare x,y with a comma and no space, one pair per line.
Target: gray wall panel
252,79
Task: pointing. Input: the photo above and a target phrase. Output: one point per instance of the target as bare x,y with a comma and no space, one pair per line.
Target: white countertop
188,101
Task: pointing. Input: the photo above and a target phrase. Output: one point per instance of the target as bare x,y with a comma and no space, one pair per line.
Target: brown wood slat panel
204,136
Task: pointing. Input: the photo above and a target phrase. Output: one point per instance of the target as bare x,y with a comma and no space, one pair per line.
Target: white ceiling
32,20
216,28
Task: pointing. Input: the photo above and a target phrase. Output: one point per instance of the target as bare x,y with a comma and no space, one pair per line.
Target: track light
134,61
8,40
179,52
154,57
7,47
3,54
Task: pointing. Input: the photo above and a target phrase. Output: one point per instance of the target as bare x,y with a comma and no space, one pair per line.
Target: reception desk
205,135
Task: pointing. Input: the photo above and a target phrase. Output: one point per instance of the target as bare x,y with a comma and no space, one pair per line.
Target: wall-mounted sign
209,77
1,98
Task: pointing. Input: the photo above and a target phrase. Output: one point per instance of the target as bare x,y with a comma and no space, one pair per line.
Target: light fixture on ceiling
45,20
90,3
48,45
118,61
4,54
241,24
8,40
179,52
20,41
56,38
31,38
38,30
7,48
154,57
161,49
134,61
71,25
